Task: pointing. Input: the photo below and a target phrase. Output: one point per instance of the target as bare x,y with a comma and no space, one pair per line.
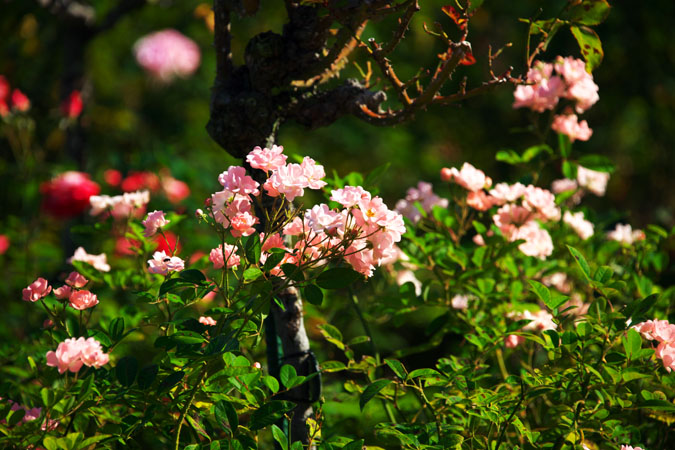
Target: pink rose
581,226
76,280
235,180
38,289
66,356
592,180
92,354
568,124
480,201
470,178
162,264
349,196
513,340
625,234
82,300
230,257
267,159
175,190
242,224
99,262
153,222
313,173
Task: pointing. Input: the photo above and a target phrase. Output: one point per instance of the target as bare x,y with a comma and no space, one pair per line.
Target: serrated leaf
332,335
632,343
423,373
371,391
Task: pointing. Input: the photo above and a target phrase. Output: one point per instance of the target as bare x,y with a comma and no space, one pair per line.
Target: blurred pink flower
469,177
167,54
63,292
537,243
208,321
38,289
153,222
4,243
230,256
581,226
625,234
592,180
76,280
99,262
568,124
424,195
544,91
175,190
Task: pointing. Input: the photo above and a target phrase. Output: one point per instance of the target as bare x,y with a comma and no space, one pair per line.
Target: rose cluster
662,332
549,82
363,231
72,291
129,204
72,353
11,100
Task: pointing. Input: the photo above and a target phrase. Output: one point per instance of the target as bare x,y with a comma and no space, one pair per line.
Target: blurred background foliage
135,123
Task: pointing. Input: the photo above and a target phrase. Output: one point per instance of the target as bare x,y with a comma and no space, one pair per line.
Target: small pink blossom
63,292
422,194
129,204
537,243
322,218
544,91
569,125
99,262
175,190
153,222
67,356
470,178
480,201
511,217
82,300
313,172
539,320
235,180
257,365
38,289
513,340
274,241
559,281
658,330
505,193
625,234
628,447
584,92
208,321
349,196
167,54
267,159
76,280
581,226
162,264
242,224
289,180
4,243
230,256
542,201
564,185
478,239
460,301
92,354
592,180
296,227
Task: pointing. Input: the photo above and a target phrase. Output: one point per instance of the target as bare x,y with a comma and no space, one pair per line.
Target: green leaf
658,405
280,437
269,413
478,256
564,145
597,162
508,156
225,411
332,366
116,328
581,261
338,277
252,273
603,274
354,445
313,294
540,291
632,343
93,440
192,275
423,373
252,248
126,370
332,335
273,259
589,45
371,391
530,153
286,374
293,272
589,12
397,367
271,383
170,381
569,169
147,376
